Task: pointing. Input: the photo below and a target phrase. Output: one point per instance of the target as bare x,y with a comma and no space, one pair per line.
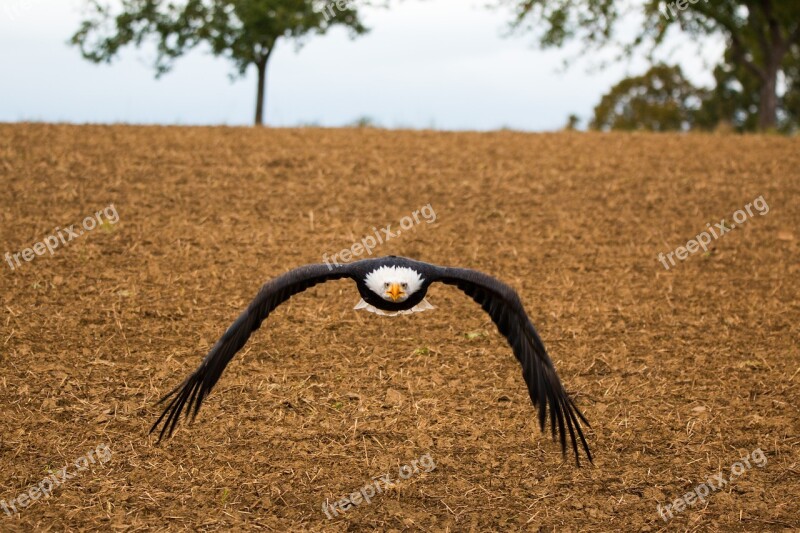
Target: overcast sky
442,64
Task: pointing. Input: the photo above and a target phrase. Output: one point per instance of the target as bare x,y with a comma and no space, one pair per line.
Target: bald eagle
390,286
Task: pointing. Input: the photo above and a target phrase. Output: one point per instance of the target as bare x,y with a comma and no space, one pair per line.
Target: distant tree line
664,100
762,50
757,81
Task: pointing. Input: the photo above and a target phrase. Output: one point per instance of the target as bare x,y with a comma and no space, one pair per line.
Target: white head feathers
378,281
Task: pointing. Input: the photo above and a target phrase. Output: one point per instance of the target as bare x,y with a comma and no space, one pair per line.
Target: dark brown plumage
499,300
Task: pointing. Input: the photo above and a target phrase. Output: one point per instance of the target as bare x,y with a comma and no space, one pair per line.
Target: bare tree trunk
768,98
773,49
262,85
261,65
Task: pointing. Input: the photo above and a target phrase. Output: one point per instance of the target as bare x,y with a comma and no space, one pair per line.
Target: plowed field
684,373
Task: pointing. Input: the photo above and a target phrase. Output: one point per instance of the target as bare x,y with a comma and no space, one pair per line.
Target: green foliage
736,97
556,21
660,100
663,100
759,33
244,31
734,100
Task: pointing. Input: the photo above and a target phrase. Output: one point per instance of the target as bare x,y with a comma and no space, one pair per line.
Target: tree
660,100
573,121
244,31
759,33
791,100
736,97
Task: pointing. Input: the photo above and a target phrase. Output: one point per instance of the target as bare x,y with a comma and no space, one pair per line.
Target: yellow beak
395,291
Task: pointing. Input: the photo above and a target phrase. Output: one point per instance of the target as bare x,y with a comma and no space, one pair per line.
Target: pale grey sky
440,64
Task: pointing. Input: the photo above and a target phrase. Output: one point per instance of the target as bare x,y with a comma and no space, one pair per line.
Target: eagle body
389,286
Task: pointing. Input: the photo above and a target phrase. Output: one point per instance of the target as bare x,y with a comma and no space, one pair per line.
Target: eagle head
394,284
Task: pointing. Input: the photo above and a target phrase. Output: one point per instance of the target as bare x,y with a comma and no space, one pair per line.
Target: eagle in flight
390,286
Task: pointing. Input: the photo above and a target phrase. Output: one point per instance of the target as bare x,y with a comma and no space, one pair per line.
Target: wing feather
505,308
195,388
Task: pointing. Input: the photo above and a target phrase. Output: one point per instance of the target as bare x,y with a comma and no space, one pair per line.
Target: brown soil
681,372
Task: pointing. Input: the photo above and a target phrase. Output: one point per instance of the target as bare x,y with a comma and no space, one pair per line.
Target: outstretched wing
198,385
545,389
